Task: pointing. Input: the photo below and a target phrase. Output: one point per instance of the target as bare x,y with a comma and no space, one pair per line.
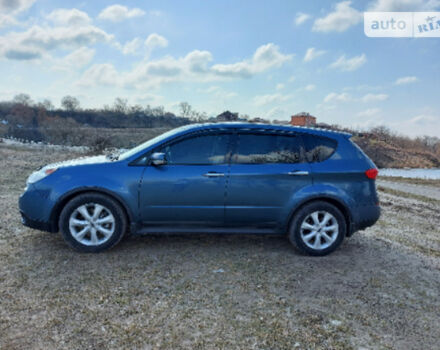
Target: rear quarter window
318,148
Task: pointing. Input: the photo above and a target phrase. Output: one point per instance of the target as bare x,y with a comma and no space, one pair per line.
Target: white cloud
131,47
280,86
422,124
370,112
9,9
349,64
312,53
403,5
80,57
406,80
335,97
374,97
36,41
276,112
195,66
342,18
118,13
7,20
72,17
100,74
301,18
219,93
262,100
310,87
15,6
264,58
148,98
155,40
75,60
292,79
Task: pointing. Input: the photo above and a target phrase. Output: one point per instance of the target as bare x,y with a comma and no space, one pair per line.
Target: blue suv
314,186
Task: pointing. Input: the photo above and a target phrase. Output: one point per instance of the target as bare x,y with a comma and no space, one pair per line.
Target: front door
190,187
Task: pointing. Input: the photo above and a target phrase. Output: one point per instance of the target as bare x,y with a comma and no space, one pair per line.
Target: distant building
227,117
303,119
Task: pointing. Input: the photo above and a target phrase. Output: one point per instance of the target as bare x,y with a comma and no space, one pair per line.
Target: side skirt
189,229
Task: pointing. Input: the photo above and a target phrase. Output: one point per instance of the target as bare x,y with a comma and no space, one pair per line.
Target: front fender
118,181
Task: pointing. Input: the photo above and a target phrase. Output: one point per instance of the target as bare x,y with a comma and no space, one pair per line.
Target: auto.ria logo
402,24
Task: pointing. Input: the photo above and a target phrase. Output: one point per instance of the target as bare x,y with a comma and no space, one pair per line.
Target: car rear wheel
318,228
92,222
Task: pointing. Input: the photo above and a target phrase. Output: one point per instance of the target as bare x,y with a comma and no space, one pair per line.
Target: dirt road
378,291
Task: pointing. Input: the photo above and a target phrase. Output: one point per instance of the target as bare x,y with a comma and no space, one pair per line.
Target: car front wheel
318,228
92,222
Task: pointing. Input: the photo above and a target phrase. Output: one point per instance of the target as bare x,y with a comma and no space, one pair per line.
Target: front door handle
212,174
298,173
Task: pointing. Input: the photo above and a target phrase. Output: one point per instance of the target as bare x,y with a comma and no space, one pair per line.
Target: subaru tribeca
314,186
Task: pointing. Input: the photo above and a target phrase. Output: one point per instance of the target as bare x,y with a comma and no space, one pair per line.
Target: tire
317,228
92,222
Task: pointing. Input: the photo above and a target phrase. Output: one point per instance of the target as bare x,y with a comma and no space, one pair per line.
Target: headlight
40,174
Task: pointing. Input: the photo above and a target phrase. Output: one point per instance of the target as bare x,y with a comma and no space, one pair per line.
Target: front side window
267,148
317,148
198,150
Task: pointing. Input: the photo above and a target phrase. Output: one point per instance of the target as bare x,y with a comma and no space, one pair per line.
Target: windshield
152,141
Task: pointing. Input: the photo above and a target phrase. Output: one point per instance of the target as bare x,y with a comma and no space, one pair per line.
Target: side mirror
158,158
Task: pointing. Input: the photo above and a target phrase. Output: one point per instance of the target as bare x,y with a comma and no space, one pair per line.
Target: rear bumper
366,216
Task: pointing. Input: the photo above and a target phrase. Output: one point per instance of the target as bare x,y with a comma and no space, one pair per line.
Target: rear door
267,169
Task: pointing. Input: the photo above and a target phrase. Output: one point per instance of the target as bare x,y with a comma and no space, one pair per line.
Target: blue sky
266,59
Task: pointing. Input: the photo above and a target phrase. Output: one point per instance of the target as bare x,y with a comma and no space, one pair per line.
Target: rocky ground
380,290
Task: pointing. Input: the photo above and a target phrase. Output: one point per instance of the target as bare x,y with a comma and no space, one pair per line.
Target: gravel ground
432,192
380,290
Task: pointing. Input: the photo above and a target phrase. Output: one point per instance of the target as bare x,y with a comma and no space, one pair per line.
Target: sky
267,59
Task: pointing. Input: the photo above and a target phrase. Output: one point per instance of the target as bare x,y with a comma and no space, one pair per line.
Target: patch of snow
42,146
336,322
411,173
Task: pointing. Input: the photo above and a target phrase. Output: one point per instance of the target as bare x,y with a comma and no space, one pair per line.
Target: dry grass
379,291
415,181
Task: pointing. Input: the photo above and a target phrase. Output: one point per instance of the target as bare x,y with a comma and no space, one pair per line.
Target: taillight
372,173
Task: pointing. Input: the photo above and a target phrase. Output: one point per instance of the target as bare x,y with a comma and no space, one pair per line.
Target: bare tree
70,103
46,105
23,99
120,105
185,110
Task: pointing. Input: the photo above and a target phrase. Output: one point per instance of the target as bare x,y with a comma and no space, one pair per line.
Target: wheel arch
343,207
56,211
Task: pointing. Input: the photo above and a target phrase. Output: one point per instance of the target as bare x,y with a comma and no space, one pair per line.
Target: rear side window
317,148
198,150
270,148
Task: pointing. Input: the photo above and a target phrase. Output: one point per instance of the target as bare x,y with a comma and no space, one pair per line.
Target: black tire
303,214
118,225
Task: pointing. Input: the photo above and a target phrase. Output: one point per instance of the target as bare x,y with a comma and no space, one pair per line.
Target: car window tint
317,148
207,149
258,149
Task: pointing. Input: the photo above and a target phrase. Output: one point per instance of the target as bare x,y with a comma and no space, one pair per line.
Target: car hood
79,161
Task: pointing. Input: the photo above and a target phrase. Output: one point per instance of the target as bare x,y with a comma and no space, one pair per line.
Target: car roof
261,126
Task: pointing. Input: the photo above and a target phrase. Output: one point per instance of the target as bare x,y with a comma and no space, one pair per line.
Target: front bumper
36,224
35,208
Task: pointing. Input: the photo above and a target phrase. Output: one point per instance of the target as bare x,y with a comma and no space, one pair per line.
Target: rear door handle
298,173
212,174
